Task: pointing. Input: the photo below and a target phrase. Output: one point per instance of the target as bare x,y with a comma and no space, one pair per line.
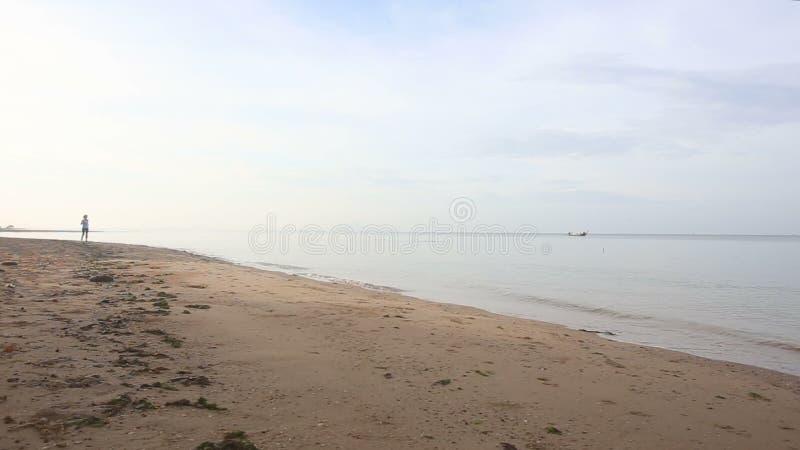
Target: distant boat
580,233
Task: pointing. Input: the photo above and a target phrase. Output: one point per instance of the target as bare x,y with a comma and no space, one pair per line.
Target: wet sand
180,349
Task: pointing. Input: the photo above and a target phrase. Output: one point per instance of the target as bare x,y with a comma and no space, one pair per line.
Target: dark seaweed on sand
236,440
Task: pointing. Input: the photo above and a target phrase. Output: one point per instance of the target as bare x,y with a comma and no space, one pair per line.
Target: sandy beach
129,347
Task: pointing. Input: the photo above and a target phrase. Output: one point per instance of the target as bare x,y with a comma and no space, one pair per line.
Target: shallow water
733,298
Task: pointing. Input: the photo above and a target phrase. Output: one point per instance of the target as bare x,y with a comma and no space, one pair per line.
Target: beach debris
388,376
235,440
163,304
142,404
148,369
442,382
9,263
199,306
110,325
192,380
88,327
83,381
197,286
201,403
8,420
159,385
137,351
101,279
757,396
607,333
204,404
10,285
85,421
10,348
507,446
162,294
173,341
484,374
129,362
552,430
49,421
117,404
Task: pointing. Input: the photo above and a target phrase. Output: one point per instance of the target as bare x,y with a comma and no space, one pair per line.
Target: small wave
279,266
361,284
303,272
690,326
761,338
585,308
781,345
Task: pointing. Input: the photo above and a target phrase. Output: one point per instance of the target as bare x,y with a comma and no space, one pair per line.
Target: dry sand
303,364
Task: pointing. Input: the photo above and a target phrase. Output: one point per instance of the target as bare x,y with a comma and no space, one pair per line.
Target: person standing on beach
85,228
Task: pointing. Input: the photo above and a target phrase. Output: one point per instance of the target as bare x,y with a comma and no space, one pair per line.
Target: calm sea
734,298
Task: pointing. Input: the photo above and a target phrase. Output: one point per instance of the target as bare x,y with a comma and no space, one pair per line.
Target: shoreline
302,362
768,343
23,230
607,334
613,336
284,269
725,338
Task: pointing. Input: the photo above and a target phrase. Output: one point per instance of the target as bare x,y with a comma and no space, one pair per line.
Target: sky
613,116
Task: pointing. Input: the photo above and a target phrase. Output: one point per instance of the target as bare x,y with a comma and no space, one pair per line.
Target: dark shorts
84,230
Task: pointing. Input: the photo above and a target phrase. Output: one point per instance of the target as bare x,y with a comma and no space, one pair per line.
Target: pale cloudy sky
611,116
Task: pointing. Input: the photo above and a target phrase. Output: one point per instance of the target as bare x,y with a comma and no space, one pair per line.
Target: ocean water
734,298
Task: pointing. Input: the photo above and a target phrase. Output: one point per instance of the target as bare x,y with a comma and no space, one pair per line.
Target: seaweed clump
201,403
235,440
